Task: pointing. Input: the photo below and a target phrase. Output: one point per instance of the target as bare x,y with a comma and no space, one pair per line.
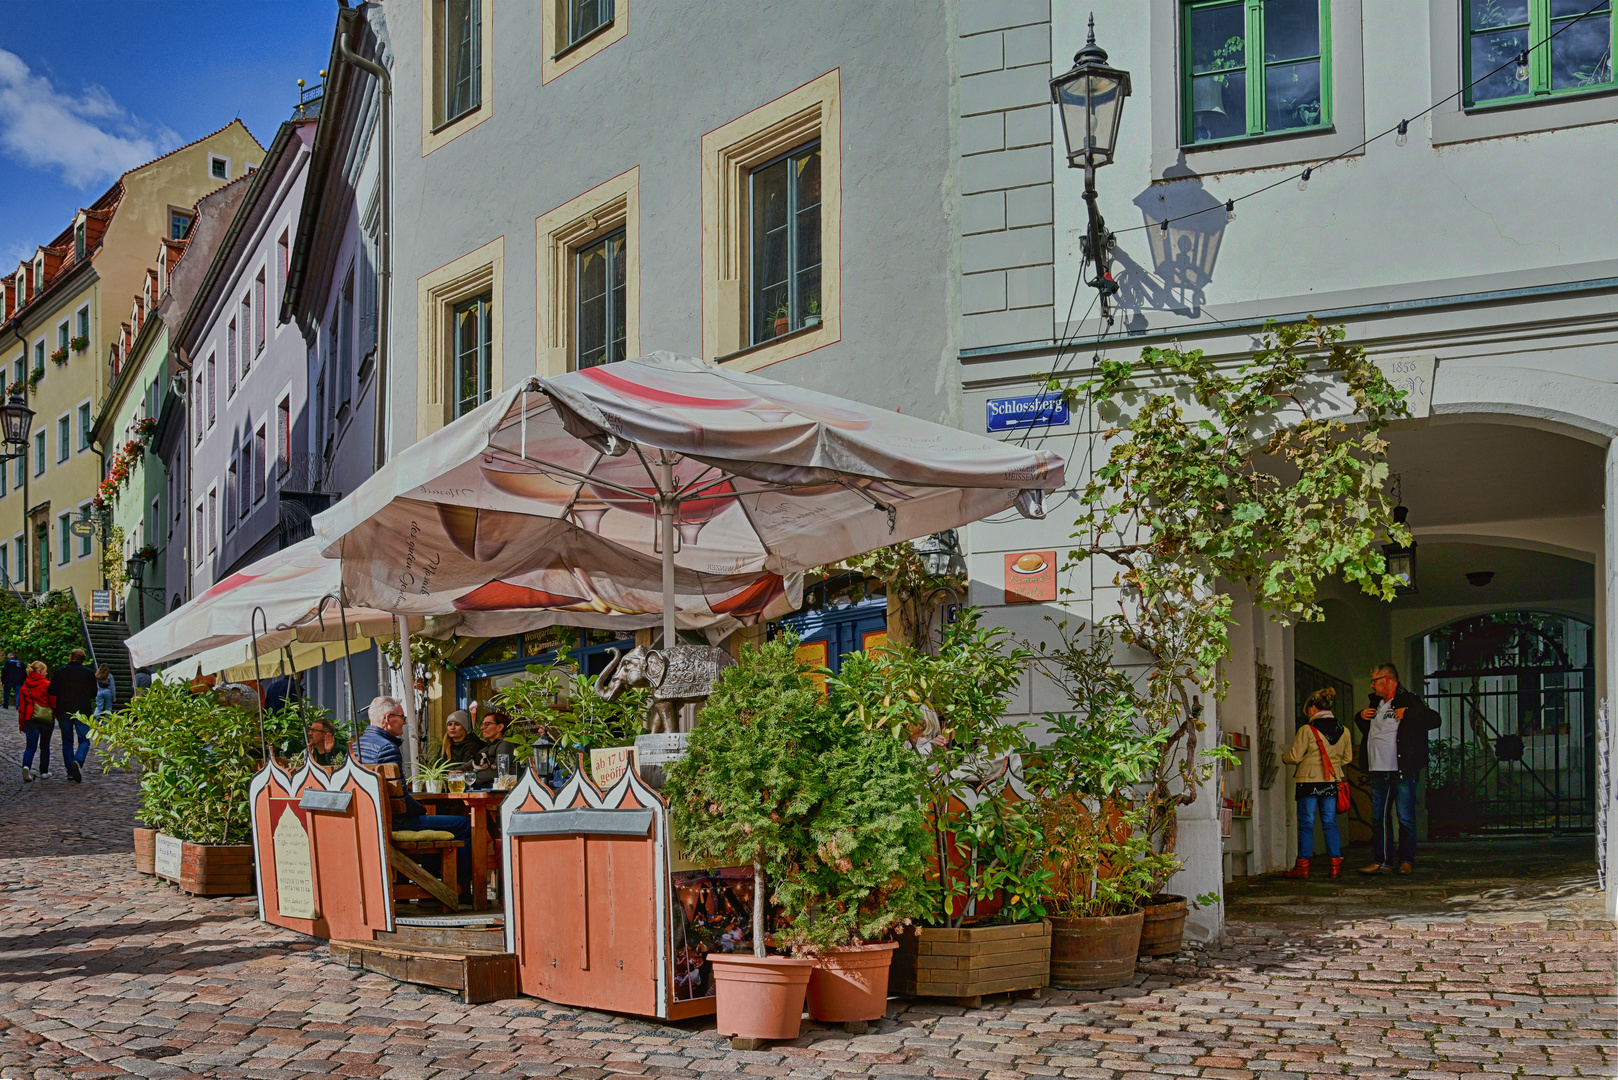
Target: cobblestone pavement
104,972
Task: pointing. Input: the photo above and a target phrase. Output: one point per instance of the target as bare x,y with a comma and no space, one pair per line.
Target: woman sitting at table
461,747
496,746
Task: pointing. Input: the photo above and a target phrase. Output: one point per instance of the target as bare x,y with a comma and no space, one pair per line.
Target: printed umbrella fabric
543,500
287,585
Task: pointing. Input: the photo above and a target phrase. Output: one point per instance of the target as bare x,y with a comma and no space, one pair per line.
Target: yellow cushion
411,836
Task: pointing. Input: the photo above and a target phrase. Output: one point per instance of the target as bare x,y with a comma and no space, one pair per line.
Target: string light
1230,209
1522,66
1303,181
1163,227
1403,137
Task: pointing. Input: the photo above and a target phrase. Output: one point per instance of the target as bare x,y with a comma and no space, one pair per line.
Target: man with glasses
379,745
1396,724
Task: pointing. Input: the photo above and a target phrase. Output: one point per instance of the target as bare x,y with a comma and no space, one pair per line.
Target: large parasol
656,488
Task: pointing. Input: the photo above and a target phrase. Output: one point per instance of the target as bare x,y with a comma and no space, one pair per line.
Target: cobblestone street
104,972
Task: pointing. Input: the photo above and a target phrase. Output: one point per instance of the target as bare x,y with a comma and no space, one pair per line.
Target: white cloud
88,138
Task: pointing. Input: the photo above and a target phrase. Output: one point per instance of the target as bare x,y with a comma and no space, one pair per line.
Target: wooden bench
402,854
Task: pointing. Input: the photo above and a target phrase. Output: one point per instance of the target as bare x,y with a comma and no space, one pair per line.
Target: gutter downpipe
384,407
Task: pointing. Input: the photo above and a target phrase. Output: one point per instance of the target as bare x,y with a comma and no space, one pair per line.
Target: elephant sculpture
679,676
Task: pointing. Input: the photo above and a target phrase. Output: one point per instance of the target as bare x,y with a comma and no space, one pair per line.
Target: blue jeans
105,700
1393,793
70,727
1326,807
461,828
83,731
39,738
11,696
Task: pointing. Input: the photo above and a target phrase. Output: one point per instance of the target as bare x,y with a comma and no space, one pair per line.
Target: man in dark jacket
74,687
1396,724
379,745
11,678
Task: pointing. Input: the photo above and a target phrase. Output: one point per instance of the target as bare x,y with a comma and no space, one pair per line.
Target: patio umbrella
656,489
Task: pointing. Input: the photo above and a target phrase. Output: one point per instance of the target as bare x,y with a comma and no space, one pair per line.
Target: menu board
166,857
294,868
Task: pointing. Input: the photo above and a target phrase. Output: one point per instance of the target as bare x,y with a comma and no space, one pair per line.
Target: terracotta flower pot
1163,928
759,997
145,851
1093,954
851,983
782,326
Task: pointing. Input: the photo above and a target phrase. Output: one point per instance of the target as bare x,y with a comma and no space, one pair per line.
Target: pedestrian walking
106,689
12,675
1396,723
37,718
1319,751
74,687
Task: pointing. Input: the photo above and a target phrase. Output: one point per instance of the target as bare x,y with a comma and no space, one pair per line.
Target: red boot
1300,869
1337,868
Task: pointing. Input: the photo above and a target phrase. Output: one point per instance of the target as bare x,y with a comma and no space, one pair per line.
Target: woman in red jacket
36,691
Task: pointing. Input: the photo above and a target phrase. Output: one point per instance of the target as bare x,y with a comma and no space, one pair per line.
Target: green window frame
1244,74
1578,60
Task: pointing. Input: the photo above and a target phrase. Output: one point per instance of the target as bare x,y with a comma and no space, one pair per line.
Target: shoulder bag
1331,772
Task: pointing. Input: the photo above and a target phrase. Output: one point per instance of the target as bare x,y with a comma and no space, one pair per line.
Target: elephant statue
679,676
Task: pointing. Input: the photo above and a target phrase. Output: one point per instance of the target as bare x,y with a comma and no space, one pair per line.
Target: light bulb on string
1230,209
1163,227
1522,66
1402,138
1303,181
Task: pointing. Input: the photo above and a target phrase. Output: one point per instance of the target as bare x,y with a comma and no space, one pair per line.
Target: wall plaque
166,860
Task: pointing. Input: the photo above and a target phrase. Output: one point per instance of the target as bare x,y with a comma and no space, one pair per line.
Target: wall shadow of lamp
1185,226
1090,102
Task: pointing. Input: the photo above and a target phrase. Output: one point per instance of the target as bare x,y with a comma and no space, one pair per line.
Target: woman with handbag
1320,750
36,711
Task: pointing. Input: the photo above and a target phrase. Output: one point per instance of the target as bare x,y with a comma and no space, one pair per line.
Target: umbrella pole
408,670
666,507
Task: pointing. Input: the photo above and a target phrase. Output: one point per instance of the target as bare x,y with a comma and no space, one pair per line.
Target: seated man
323,744
379,745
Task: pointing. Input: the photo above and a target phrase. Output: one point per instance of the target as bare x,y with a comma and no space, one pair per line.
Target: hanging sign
294,867
1030,577
1035,410
82,527
166,857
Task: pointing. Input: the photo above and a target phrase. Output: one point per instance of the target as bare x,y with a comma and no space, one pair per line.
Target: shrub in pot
741,797
860,874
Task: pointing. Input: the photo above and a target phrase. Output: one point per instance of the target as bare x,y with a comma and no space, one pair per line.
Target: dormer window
80,235
39,275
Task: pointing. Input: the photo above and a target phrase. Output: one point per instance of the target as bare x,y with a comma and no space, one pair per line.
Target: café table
479,806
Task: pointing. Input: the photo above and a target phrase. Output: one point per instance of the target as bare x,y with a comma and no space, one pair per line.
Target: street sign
1035,410
83,527
100,602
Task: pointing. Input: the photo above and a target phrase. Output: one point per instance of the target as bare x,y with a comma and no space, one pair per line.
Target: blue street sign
1047,409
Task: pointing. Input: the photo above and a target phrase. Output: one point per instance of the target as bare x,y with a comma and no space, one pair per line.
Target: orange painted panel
873,639
816,654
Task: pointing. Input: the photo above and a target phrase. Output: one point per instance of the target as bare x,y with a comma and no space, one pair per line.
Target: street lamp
16,418
1401,561
1090,99
545,757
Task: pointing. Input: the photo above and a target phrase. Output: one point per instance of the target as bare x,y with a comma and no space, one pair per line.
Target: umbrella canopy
597,494
289,586
236,662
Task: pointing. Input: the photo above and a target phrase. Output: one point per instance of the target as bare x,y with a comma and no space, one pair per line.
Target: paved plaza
1487,962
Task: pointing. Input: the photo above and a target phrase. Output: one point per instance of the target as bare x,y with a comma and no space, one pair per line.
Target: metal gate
1516,750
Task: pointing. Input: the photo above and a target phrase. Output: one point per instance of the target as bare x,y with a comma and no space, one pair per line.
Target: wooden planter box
967,963
145,850
205,869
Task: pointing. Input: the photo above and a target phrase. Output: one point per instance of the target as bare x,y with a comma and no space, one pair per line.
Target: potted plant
739,798
59,357
80,343
811,312
780,319
197,754
860,876
981,929
430,776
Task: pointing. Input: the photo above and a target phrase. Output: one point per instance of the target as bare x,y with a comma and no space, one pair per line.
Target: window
462,55
232,496
213,389
785,231
22,468
84,321
1576,60
600,277
201,528
84,427
260,454
218,167
283,436
230,357
64,438
1254,67
20,545
87,541
39,275
585,17
179,223
771,229
457,40
5,565
258,306
64,539
61,335
39,453
345,343
213,520
473,370
21,364
78,242
247,334
283,261
39,355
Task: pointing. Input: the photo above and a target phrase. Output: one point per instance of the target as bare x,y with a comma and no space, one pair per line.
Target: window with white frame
260,451
84,426
62,335
83,318
345,342
213,388
86,540
247,334
230,359
64,539
259,303
283,436
201,531
39,453
283,261
213,520
64,438
218,167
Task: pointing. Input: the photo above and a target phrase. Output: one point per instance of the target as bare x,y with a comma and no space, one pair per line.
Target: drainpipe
101,456
27,532
384,419
184,362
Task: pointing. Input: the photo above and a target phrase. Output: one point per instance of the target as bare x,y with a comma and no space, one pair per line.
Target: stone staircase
107,647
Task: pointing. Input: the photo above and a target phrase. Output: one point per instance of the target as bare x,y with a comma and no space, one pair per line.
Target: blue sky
89,88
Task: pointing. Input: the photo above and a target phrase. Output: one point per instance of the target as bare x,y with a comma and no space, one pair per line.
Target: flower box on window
80,343
59,357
